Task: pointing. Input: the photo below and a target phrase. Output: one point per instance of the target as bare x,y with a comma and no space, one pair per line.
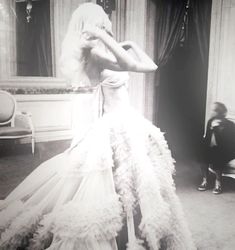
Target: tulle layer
78,199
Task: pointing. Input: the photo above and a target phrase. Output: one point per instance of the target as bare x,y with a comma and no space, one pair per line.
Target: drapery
200,12
56,22
169,19
168,25
182,80
34,57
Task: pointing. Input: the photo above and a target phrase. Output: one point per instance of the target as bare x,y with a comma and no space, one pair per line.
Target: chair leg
33,145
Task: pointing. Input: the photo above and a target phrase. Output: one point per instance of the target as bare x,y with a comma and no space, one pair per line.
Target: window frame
14,81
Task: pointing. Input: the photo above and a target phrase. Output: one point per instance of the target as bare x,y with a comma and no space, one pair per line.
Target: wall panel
221,75
59,116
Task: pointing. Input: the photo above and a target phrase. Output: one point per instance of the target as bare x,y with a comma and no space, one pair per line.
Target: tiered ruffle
82,196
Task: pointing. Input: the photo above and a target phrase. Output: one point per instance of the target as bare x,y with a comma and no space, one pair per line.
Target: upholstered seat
228,171
14,124
230,168
14,131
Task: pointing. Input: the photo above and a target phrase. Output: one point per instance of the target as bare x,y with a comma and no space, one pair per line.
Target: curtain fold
44,48
169,20
170,14
200,12
168,28
34,56
181,85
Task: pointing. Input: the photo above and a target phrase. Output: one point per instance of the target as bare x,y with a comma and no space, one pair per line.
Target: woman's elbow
138,67
152,65
145,68
155,67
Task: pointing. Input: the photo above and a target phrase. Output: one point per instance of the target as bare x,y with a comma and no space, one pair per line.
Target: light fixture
184,27
29,7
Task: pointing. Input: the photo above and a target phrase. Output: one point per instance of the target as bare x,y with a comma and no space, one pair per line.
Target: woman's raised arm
123,60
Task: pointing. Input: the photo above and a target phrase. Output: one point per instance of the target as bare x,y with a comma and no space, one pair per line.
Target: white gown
80,199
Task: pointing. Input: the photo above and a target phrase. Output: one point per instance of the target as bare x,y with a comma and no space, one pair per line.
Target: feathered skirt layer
79,199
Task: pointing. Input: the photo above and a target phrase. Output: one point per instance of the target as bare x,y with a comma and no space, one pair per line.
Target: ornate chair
14,124
229,170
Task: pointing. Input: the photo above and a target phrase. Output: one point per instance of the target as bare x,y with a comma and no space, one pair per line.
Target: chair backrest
7,107
231,164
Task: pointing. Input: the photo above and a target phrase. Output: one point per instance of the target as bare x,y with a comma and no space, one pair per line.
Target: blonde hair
73,61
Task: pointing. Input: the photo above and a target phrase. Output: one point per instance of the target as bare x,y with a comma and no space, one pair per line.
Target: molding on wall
56,117
19,81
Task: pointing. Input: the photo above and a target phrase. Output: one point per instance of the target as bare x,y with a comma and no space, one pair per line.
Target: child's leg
204,183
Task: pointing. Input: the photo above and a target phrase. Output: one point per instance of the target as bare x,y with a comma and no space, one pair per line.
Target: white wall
221,75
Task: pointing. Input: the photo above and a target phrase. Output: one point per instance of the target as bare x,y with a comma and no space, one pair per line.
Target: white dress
80,199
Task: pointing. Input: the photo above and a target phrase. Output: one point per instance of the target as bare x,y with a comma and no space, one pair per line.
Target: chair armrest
24,120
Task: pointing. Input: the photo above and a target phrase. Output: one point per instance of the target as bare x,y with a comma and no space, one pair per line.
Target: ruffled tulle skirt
80,199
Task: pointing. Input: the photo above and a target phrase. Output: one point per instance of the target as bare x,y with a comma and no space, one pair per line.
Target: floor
210,217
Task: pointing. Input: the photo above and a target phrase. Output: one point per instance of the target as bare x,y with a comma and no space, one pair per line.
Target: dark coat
225,139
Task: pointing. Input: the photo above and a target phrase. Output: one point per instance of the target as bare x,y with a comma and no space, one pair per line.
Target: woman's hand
90,36
92,32
87,43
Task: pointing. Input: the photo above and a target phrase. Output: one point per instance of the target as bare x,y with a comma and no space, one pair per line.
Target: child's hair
221,109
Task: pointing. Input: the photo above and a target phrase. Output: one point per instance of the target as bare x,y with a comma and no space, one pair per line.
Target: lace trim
135,245
101,221
146,178
21,229
154,208
140,176
93,154
9,213
123,169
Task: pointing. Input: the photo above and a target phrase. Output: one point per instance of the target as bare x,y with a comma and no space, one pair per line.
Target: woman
79,199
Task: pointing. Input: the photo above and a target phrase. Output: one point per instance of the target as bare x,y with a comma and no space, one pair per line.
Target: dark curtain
34,57
169,19
168,28
200,12
182,81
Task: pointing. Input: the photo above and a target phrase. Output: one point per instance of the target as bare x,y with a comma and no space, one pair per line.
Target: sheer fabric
78,200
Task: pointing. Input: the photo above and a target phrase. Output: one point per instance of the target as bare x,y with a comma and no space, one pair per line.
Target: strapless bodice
113,79
114,90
